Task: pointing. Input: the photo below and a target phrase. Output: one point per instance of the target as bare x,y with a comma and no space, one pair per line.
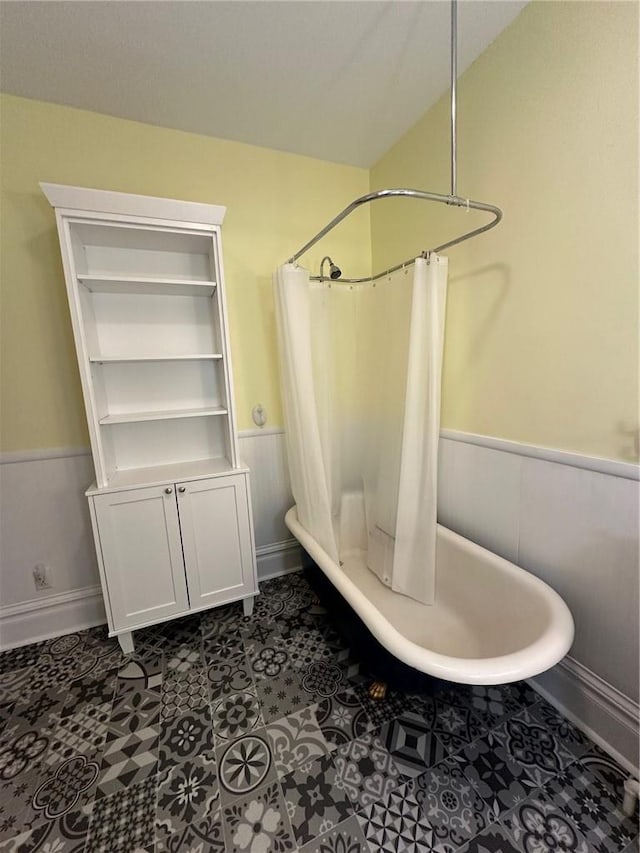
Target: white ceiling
340,81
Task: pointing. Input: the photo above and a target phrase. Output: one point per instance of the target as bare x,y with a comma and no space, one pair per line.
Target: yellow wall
275,202
542,324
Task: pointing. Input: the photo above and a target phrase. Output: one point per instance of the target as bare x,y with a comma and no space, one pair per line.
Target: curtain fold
418,490
308,466
361,368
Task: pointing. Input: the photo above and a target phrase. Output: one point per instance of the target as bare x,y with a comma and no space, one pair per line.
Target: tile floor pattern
226,733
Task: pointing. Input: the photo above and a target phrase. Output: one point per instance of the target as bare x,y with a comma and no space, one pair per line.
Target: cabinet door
216,539
141,554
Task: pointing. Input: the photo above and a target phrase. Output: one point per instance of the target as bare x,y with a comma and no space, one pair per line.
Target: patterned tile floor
224,733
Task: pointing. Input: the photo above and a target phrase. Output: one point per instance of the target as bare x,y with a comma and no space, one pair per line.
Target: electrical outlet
41,576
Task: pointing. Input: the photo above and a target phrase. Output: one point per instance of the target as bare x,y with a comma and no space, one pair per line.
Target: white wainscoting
576,529
44,518
570,519
263,450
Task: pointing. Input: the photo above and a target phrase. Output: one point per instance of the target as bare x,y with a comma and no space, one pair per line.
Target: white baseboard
277,559
50,616
603,713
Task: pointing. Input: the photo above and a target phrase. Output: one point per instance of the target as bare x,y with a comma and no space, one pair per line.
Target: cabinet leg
247,606
126,643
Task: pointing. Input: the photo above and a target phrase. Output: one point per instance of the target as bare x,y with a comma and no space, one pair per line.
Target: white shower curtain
361,368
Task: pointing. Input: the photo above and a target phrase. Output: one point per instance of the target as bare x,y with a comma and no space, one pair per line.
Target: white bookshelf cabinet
171,506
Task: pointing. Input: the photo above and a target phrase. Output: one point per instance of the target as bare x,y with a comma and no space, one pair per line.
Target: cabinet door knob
182,489
168,490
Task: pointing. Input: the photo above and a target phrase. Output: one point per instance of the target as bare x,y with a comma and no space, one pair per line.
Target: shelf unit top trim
108,202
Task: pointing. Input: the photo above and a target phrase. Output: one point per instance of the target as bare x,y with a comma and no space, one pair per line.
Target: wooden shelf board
152,286
168,414
116,359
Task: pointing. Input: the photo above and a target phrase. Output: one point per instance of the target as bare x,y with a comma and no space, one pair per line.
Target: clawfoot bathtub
492,622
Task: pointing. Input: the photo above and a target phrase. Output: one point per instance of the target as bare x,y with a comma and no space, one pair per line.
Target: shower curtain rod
452,199
406,193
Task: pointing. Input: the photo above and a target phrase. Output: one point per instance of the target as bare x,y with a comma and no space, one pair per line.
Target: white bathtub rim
538,657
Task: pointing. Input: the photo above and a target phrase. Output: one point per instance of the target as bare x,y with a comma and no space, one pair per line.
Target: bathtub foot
631,795
378,690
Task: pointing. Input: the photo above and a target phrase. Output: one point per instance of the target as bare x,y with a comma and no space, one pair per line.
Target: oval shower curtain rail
452,200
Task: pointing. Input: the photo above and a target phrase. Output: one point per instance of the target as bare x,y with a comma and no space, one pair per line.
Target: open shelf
170,414
140,325
141,284
131,444
117,359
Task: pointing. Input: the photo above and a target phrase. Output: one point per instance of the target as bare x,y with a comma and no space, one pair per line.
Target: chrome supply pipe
454,88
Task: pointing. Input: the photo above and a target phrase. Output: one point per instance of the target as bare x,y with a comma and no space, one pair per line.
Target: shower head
334,270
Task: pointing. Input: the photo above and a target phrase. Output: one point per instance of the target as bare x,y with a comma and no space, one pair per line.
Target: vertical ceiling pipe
454,83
